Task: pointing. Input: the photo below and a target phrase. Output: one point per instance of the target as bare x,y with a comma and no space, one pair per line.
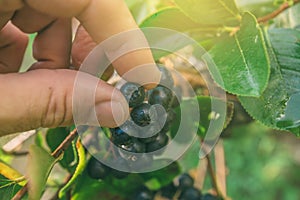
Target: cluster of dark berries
146,132
152,113
183,190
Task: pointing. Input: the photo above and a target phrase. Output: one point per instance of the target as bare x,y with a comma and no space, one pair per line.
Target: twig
212,175
275,13
58,151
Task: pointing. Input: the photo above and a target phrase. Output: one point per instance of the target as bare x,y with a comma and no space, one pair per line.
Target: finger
4,18
30,20
103,19
7,9
43,98
120,20
52,46
83,44
10,5
12,47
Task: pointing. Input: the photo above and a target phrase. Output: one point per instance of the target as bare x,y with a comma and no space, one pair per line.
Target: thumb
44,98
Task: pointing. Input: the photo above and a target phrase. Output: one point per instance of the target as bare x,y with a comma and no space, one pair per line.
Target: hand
42,97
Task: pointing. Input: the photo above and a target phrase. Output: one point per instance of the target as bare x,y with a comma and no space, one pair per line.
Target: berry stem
56,153
275,13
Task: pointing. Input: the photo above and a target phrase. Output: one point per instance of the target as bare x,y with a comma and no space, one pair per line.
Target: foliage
258,58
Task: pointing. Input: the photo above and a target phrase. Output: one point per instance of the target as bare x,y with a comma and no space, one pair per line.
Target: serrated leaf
217,12
54,137
40,163
278,107
79,169
173,18
241,60
257,7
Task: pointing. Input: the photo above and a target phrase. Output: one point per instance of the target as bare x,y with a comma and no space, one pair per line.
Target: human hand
42,97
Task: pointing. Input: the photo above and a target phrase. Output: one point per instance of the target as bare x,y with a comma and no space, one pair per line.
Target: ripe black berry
160,141
168,191
190,194
160,95
142,115
142,161
166,77
134,146
97,170
185,181
143,194
209,196
120,162
171,116
119,136
148,139
134,93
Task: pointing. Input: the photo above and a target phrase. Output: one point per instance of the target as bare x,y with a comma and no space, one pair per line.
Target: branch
58,151
275,13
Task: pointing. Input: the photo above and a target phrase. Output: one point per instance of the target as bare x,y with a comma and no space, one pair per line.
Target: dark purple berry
185,181
96,169
168,191
120,162
160,141
166,77
119,136
160,95
190,194
134,93
209,196
143,194
143,115
135,146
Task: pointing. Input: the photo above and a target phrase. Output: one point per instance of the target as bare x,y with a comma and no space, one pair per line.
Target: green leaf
242,60
217,12
173,18
11,174
110,189
54,137
79,169
257,7
40,163
278,107
8,188
157,179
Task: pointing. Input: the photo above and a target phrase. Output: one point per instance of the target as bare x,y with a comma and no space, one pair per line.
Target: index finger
103,19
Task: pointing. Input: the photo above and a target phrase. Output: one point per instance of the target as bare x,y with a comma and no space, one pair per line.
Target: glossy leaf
278,107
40,163
242,60
11,174
217,12
8,188
54,137
173,18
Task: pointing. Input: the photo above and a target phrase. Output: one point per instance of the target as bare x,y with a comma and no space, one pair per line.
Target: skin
42,97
